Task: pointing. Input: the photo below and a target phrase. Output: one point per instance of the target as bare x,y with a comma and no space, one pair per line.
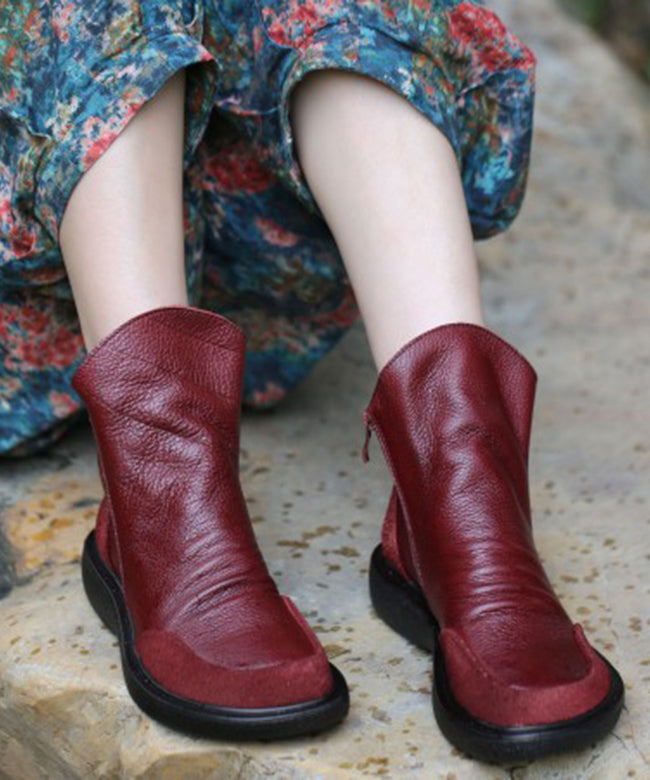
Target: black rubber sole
402,606
106,596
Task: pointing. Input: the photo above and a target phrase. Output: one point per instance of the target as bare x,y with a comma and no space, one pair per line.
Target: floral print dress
72,75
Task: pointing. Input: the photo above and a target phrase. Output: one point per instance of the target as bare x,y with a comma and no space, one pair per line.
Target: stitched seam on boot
192,337
151,426
90,354
167,370
465,325
307,630
209,413
391,466
496,683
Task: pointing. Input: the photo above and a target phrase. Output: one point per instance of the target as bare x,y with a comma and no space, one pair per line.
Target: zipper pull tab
366,444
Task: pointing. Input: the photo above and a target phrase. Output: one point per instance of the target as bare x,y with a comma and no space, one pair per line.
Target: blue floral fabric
73,74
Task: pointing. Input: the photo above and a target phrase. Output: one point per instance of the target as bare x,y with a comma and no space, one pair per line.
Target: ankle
386,345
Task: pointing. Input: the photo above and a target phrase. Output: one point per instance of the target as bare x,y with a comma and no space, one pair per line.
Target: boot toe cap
245,679
483,692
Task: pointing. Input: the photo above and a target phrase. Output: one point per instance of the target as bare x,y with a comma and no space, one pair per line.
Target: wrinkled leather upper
453,412
163,393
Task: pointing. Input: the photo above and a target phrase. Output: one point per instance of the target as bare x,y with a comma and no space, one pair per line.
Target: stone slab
568,285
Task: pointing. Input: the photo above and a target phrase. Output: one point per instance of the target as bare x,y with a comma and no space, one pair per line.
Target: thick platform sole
402,606
106,596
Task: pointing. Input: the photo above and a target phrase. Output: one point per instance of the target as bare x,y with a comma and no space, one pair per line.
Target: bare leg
387,182
121,235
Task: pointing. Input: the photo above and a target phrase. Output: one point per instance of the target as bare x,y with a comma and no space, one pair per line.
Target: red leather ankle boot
457,571
208,644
